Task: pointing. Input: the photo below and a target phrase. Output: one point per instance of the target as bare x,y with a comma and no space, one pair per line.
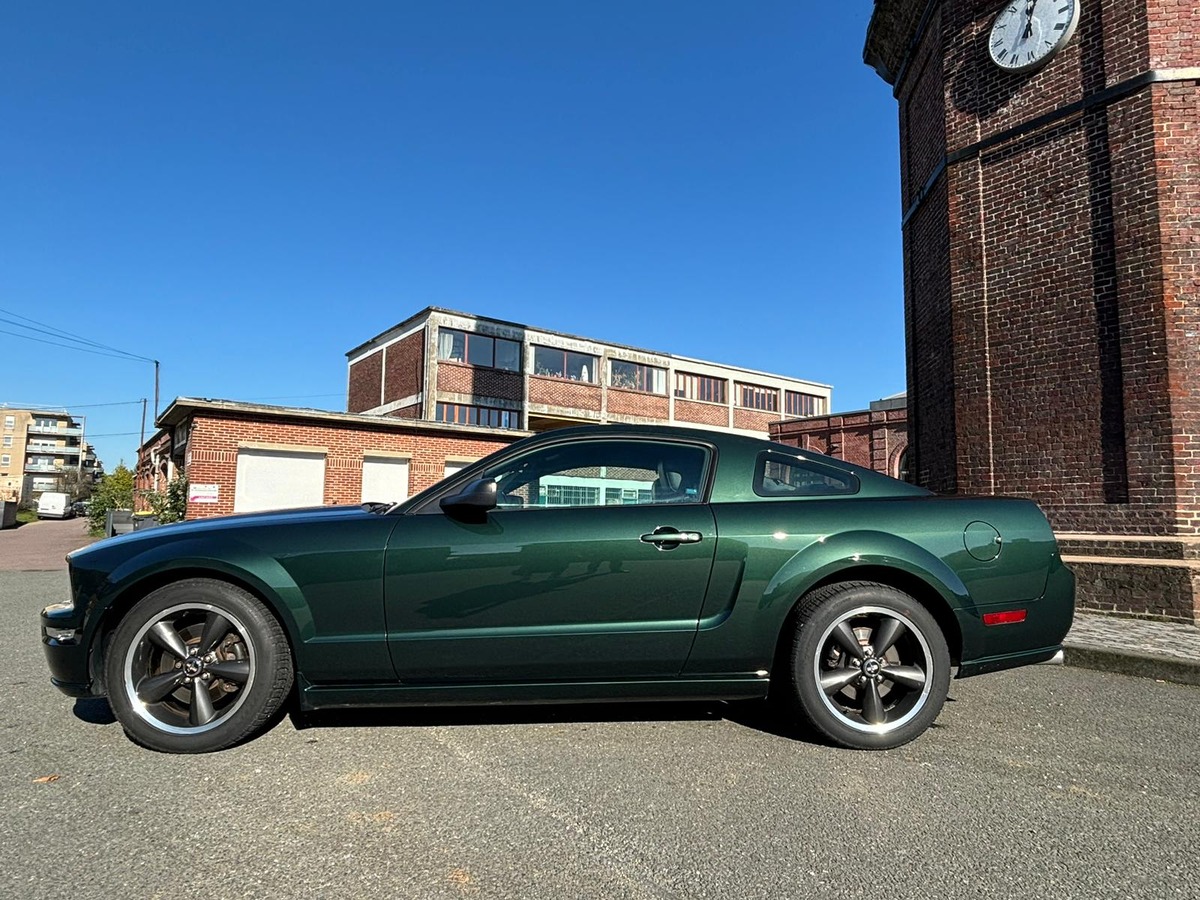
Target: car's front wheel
870,668
196,666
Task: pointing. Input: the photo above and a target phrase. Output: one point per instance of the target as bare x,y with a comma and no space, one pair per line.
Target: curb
1139,665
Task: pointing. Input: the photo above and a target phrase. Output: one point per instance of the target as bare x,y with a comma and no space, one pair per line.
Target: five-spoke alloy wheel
870,668
197,665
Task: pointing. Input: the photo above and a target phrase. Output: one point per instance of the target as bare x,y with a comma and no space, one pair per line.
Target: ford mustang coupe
593,563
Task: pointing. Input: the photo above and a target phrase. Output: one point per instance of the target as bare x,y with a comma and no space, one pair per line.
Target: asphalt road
1043,782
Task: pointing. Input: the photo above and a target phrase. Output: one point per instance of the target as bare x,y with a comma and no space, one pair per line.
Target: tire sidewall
267,653
808,694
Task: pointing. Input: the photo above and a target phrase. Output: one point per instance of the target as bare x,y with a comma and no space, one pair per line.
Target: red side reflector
1008,617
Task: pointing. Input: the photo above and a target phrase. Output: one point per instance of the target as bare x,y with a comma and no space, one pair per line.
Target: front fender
237,561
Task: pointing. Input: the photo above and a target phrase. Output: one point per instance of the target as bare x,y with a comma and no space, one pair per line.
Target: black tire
839,679
197,632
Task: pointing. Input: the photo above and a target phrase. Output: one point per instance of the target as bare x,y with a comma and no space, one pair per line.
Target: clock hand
1029,20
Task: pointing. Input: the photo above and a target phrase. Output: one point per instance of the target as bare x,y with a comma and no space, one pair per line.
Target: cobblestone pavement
41,546
1173,640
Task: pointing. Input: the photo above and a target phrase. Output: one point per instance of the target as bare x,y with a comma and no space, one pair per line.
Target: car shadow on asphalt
755,715
94,711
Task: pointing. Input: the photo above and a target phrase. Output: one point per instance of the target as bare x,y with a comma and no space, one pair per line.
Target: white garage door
278,479
385,479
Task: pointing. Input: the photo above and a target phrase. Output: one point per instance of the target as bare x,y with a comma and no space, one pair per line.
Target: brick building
245,457
1051,219
447,366
434,393
876,438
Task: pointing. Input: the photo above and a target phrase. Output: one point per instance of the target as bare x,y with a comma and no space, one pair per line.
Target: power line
113,434
29,337
66,406
59,332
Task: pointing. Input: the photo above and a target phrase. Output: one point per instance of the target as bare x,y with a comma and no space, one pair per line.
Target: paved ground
1048,781
41,546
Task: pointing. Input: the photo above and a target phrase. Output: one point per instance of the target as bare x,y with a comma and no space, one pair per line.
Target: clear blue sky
246,191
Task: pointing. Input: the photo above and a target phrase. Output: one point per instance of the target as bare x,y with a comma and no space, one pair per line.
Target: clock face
1028,32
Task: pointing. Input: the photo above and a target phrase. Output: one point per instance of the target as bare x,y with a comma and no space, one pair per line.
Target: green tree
114,492
169,505
78,486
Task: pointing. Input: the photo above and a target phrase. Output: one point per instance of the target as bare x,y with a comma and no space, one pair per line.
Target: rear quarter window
777,475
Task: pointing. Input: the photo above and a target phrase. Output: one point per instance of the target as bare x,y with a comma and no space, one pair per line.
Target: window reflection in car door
593,564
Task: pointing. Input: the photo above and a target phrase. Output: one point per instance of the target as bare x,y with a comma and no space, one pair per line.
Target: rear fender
849,556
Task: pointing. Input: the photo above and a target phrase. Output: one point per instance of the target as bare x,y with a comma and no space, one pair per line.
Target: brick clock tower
1050,171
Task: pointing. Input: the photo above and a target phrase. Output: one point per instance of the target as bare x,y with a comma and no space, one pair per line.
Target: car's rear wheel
196,666
870,668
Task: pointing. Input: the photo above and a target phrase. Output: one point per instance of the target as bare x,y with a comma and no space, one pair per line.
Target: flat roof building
445,366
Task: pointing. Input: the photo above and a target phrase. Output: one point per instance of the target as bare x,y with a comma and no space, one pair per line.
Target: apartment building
37,448
457,368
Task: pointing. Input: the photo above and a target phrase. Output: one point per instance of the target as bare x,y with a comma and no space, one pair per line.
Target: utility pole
155,397
143,440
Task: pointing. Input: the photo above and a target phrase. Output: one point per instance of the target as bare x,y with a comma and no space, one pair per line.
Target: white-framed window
565,364
479,349
636,377
10,422
8,439
755,396
6,460
700,387
800,404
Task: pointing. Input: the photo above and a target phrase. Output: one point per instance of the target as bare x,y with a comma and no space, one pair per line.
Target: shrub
114,492
169,505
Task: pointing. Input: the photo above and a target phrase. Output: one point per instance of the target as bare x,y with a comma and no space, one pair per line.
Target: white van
54,505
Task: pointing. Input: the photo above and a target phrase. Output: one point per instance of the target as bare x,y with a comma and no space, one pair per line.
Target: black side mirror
473,501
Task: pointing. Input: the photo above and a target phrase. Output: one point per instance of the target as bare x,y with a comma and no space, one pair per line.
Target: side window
602,473
779,475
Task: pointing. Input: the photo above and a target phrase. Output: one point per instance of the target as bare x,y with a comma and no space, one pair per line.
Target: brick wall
564,393
754,420
701,413
875,439
213,448
366,389
623,402
1051,278
404,367
476,381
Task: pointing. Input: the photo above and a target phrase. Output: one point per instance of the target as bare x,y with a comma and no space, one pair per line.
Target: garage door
385,479
278,479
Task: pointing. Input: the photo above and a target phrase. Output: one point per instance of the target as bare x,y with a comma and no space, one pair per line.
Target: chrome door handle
661,536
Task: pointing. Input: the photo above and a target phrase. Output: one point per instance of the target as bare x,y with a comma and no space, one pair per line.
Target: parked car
54,505
595,563
80,508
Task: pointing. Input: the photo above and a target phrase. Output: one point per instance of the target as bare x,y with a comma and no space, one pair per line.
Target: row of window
465,414
498,353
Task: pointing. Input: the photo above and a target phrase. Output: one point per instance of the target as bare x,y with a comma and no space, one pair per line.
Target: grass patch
25,516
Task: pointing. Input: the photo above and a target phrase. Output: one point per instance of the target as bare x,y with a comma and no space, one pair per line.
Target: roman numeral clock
1028,33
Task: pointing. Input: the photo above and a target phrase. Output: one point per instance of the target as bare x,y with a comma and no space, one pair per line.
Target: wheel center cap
193,666
870,667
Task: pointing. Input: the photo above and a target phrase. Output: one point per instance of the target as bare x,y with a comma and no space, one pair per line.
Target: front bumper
66,651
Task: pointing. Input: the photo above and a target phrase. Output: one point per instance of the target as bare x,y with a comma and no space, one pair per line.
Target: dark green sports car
595,563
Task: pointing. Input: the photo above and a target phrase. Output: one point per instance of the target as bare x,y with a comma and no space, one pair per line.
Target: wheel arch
920,589
129,593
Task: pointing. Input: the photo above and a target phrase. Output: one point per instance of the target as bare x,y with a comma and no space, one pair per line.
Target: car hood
176,530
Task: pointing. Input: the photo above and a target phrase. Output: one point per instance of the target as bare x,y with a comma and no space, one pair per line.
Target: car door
593,565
